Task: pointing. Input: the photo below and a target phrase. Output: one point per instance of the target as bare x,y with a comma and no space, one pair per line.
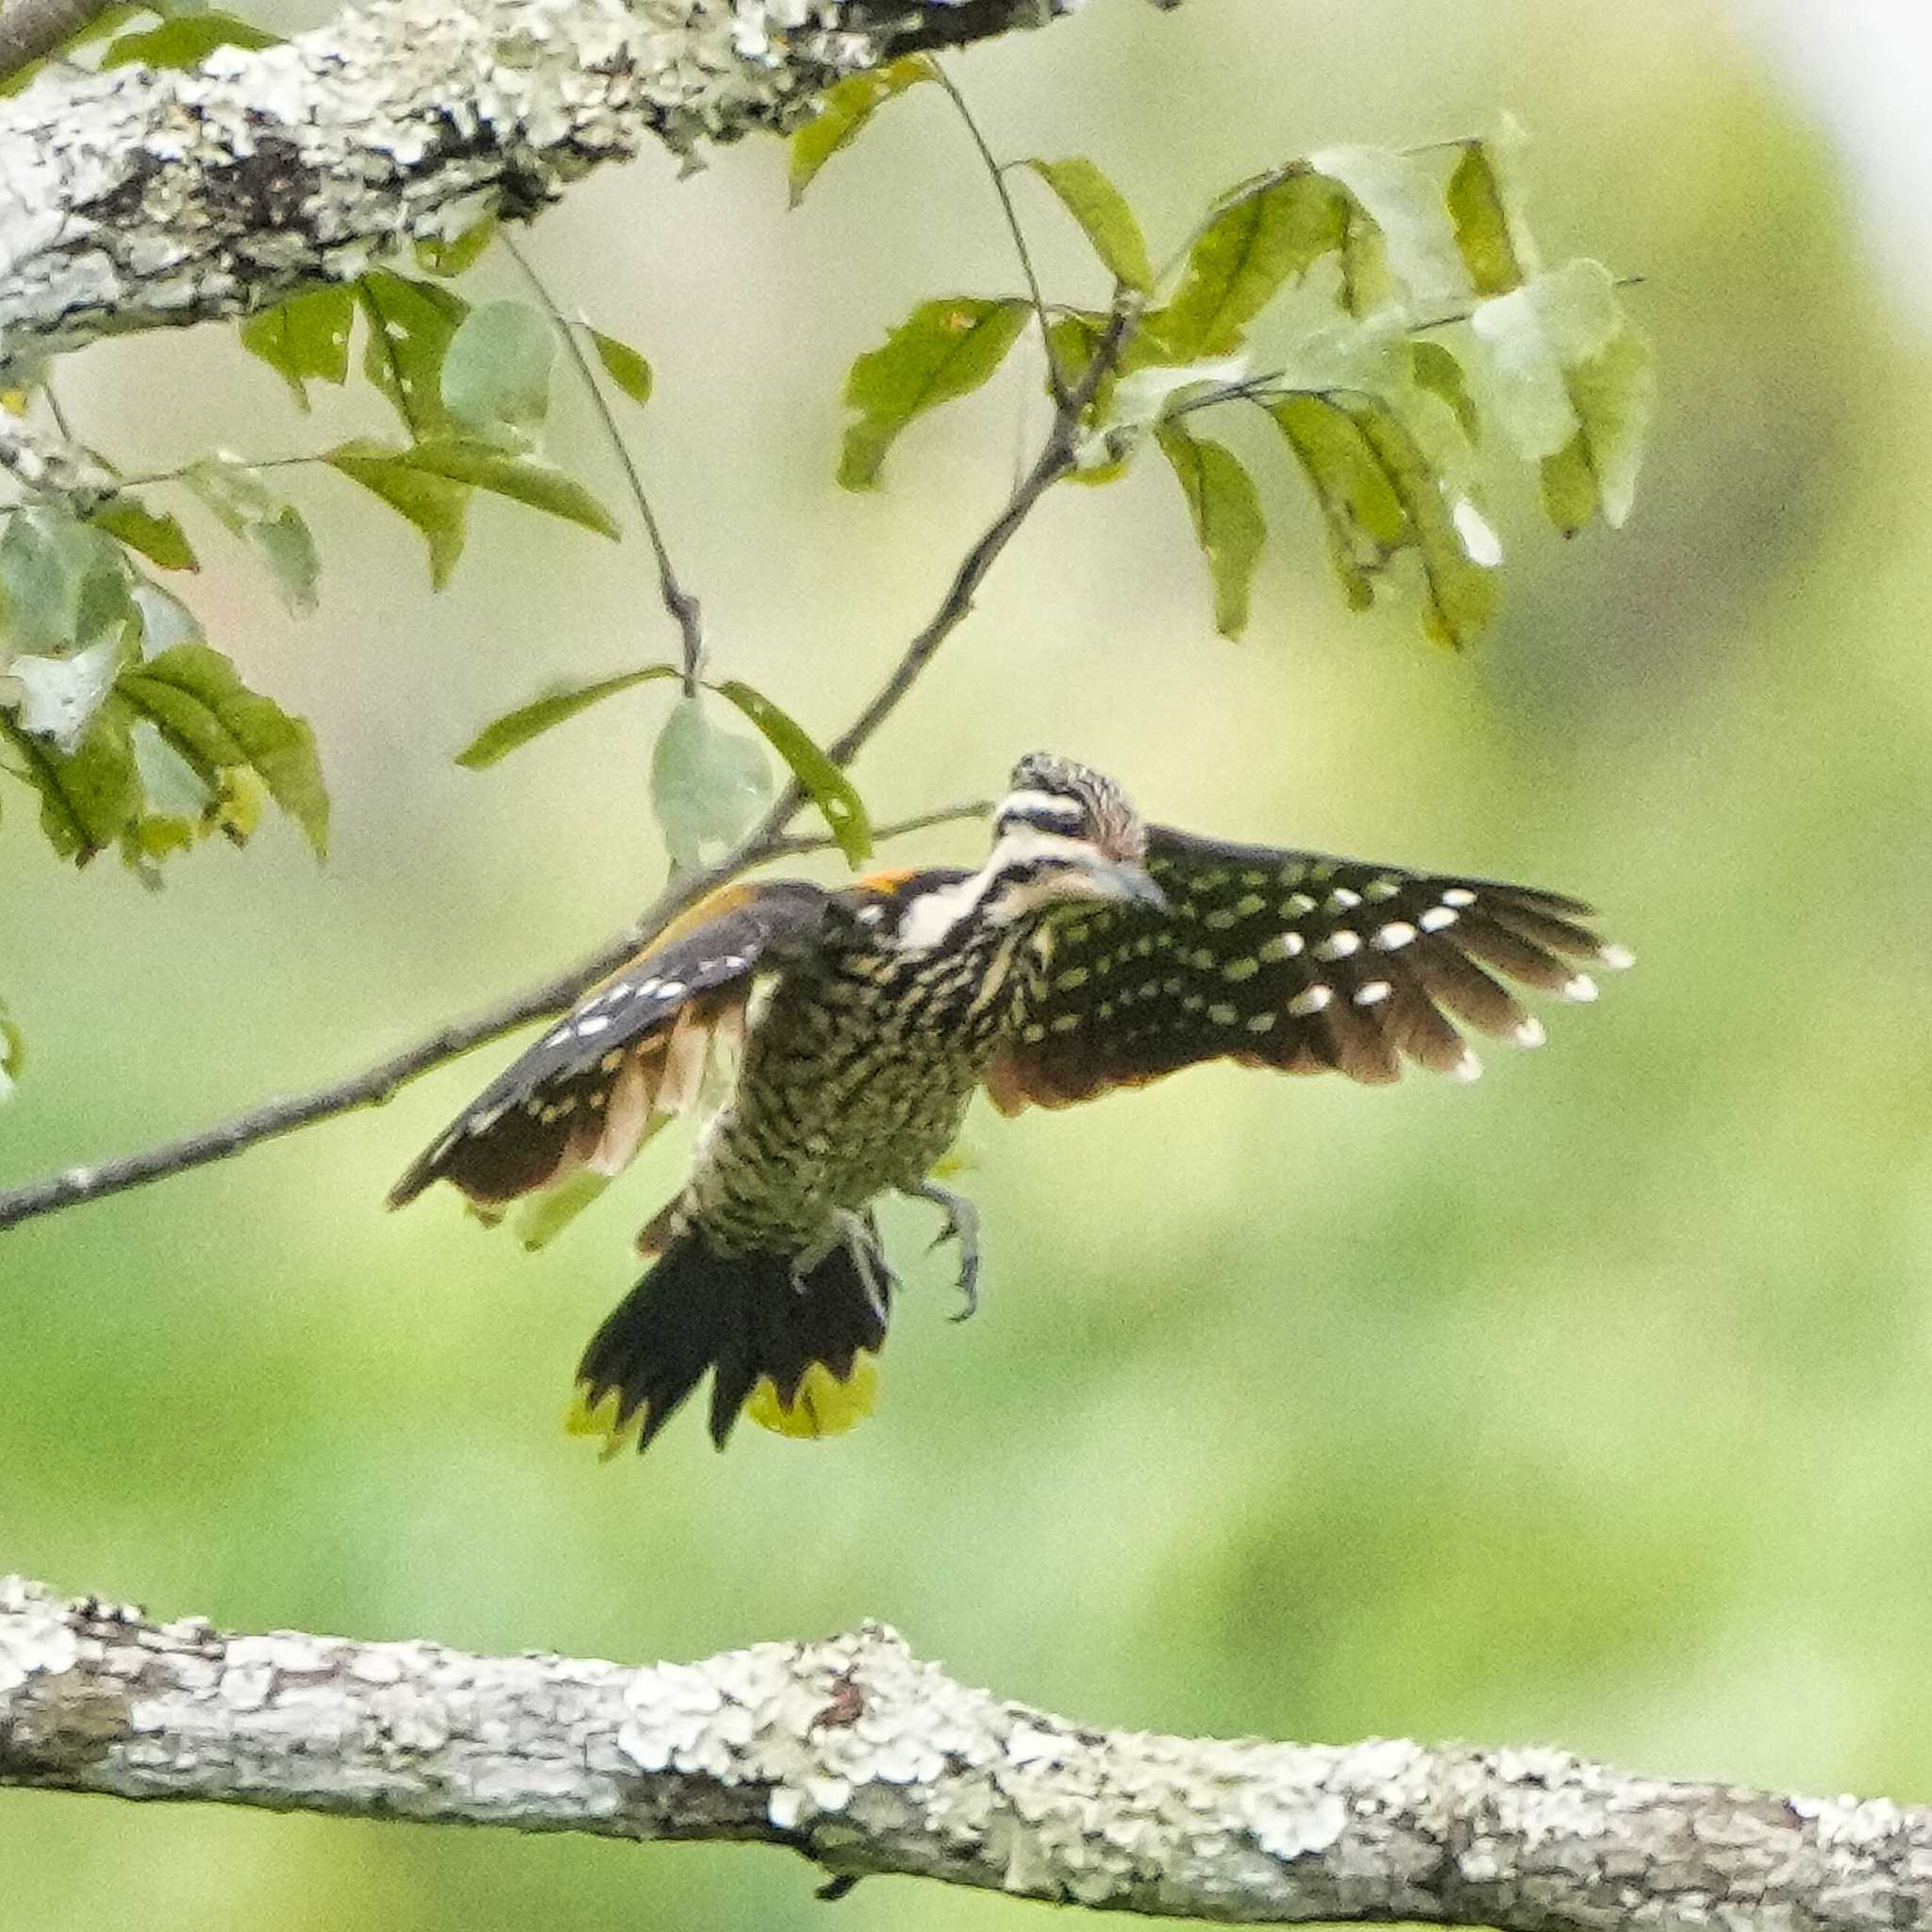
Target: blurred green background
1584,1406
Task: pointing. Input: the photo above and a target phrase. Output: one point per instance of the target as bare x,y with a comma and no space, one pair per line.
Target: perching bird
850,1029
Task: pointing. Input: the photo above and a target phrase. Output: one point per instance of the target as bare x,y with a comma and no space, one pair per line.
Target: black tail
751,1321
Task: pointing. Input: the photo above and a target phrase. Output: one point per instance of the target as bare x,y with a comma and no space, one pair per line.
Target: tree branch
31,28
142,199
866,1760
377,1084
766,840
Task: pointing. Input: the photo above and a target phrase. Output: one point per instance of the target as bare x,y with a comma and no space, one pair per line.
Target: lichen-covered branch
867,1760
138,199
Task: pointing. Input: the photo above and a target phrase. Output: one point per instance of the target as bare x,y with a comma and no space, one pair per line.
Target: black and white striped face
1034,870
1056,795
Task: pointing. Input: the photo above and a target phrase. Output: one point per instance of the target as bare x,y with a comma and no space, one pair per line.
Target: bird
832,1039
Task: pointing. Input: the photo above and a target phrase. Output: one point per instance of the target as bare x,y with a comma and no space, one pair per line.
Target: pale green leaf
1480,218
1226,515
707,785
437,505
1400,194
305,339
197,699
943,350
830,790
843,113
159,538
60,697
187,41
410,325
496,371
622,364
1104,216
1264,233
1575,384
503,735
62,584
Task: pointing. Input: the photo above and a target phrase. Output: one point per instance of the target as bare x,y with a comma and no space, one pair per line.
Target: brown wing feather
630,1052
1285,959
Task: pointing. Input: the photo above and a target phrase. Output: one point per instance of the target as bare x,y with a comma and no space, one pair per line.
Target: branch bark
866,1760
139,199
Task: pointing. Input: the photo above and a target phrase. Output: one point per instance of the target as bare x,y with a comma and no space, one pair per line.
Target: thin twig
1055,382
766,840
29,30
377,1084
684,609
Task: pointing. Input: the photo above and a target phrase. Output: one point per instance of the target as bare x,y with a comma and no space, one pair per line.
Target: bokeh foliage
1585,1404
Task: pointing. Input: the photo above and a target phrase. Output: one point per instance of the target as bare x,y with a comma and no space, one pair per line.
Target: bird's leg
861,1235
962,1226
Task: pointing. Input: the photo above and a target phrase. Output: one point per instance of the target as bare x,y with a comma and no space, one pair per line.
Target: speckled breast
855,1078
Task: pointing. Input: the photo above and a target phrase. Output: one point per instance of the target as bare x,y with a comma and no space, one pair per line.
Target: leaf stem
685,611
1056,382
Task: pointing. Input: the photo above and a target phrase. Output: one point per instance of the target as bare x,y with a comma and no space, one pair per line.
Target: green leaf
436,506
1434,367
707,784
187,41
159,539
216,723
496,371
622,364
830,790
12,1052
273,528
1402,196
541,485
843,113
1226,513
411,325
544,1215
1264,232
1381,493
1104,216
305,339
503,735
436,256
1486,236
943,350
1576,385
89,796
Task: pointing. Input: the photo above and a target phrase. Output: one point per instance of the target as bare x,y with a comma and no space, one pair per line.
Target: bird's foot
962,1226
859,1233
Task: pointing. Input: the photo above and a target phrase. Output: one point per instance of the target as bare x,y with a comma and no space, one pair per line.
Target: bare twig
767,839
31,28
377,1084
862,1758
685,611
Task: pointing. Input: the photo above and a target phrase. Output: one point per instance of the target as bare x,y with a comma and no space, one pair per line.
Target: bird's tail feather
792,1345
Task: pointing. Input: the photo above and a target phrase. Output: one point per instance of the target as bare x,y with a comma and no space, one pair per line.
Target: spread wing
631,1051
1292,960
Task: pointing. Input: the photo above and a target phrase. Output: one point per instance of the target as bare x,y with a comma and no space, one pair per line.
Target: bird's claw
962,1226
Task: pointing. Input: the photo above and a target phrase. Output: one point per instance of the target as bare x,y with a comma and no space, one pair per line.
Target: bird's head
1066,834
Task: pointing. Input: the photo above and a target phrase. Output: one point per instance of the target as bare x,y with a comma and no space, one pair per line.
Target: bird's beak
1120,882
